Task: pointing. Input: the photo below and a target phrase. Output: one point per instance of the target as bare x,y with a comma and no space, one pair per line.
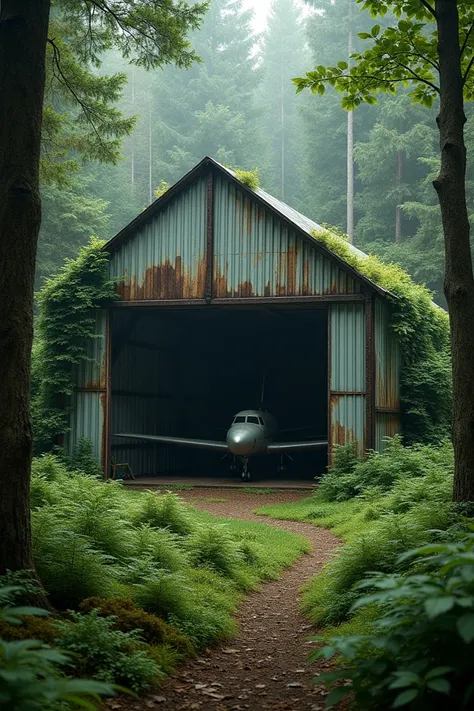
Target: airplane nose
241,441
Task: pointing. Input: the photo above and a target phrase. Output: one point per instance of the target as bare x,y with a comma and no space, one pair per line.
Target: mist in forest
367,173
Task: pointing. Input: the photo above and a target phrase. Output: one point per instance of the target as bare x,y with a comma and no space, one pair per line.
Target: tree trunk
459,281
350,147
23,37
398,210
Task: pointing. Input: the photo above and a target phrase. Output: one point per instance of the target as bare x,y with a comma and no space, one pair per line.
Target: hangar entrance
185,372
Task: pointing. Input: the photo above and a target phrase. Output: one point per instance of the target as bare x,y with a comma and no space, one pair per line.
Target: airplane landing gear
245,469
282,467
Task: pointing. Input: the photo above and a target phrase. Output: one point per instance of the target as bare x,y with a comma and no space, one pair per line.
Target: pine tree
284,55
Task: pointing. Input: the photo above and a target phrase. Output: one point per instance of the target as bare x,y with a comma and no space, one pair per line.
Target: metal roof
303,224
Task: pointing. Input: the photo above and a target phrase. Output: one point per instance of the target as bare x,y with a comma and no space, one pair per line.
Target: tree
431,49
327,180
211,108
283,57
149,32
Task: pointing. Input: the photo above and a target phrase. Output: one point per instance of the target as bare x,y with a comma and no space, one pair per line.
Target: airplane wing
179,441
310,445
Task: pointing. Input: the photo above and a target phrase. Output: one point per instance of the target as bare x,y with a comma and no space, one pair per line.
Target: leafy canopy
403,53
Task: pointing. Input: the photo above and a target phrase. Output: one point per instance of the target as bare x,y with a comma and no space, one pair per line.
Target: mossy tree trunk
459,282
23,39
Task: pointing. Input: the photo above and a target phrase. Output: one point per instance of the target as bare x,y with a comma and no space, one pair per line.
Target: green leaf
343,65
441,685
338,694
405,698
375,30
465,627
438,671
438,605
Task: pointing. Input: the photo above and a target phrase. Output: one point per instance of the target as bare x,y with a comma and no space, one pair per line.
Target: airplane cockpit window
238,420
252,420
261,422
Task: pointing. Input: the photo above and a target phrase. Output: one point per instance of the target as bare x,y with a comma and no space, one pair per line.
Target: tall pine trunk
23,37
459,281
398,209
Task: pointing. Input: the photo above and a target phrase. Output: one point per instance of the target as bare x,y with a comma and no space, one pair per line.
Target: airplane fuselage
251,432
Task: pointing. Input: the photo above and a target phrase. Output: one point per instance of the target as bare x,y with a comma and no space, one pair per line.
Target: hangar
220,285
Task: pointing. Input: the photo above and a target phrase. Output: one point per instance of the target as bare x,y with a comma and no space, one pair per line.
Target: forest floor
266,666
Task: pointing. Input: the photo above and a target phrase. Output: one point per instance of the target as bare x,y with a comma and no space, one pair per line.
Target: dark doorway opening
186,372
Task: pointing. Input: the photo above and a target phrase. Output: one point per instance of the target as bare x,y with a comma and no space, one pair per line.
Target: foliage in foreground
422,329
420,654
31,673
144,575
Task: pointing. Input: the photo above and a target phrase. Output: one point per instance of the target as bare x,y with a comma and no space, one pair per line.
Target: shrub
421,652
164,511
161,547
68,566
164,595
107,653
205,625
250,178
216,549
83,458
31,673
128,617
380,472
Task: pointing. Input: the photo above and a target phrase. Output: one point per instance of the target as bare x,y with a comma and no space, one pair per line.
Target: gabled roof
294,219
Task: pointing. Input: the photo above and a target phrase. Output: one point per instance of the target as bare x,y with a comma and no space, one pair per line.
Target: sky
261,7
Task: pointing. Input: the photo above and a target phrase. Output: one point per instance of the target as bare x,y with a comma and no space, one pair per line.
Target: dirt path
266,666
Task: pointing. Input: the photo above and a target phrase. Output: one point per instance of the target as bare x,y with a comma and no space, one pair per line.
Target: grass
178,487
261,492
124,548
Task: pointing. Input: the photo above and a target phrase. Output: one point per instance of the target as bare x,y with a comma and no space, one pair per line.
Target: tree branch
429,8
468,69
466,39
64,80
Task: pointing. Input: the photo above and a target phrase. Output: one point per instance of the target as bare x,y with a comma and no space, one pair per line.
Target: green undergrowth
422,329
261,492
149,575
379,508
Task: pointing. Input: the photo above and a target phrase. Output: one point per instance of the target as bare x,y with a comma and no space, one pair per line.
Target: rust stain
268,289
220,282
103,444
248,208
292,262
282,275
306,288
167,281
245,289
261,214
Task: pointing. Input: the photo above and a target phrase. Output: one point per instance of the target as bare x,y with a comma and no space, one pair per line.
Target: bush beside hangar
219,286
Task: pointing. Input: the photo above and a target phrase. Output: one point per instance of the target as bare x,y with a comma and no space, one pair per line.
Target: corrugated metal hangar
219,286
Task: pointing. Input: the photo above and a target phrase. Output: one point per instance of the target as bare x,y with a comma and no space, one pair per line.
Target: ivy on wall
422,329
64,327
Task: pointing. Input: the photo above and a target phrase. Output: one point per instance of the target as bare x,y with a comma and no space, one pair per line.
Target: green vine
64,327
422,329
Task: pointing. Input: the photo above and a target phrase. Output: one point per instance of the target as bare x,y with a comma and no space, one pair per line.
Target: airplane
251,433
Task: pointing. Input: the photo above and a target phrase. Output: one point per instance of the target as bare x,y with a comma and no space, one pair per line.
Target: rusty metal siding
348,348
166,258
88,406
387,425
347,380
387,360
348,420
256,254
